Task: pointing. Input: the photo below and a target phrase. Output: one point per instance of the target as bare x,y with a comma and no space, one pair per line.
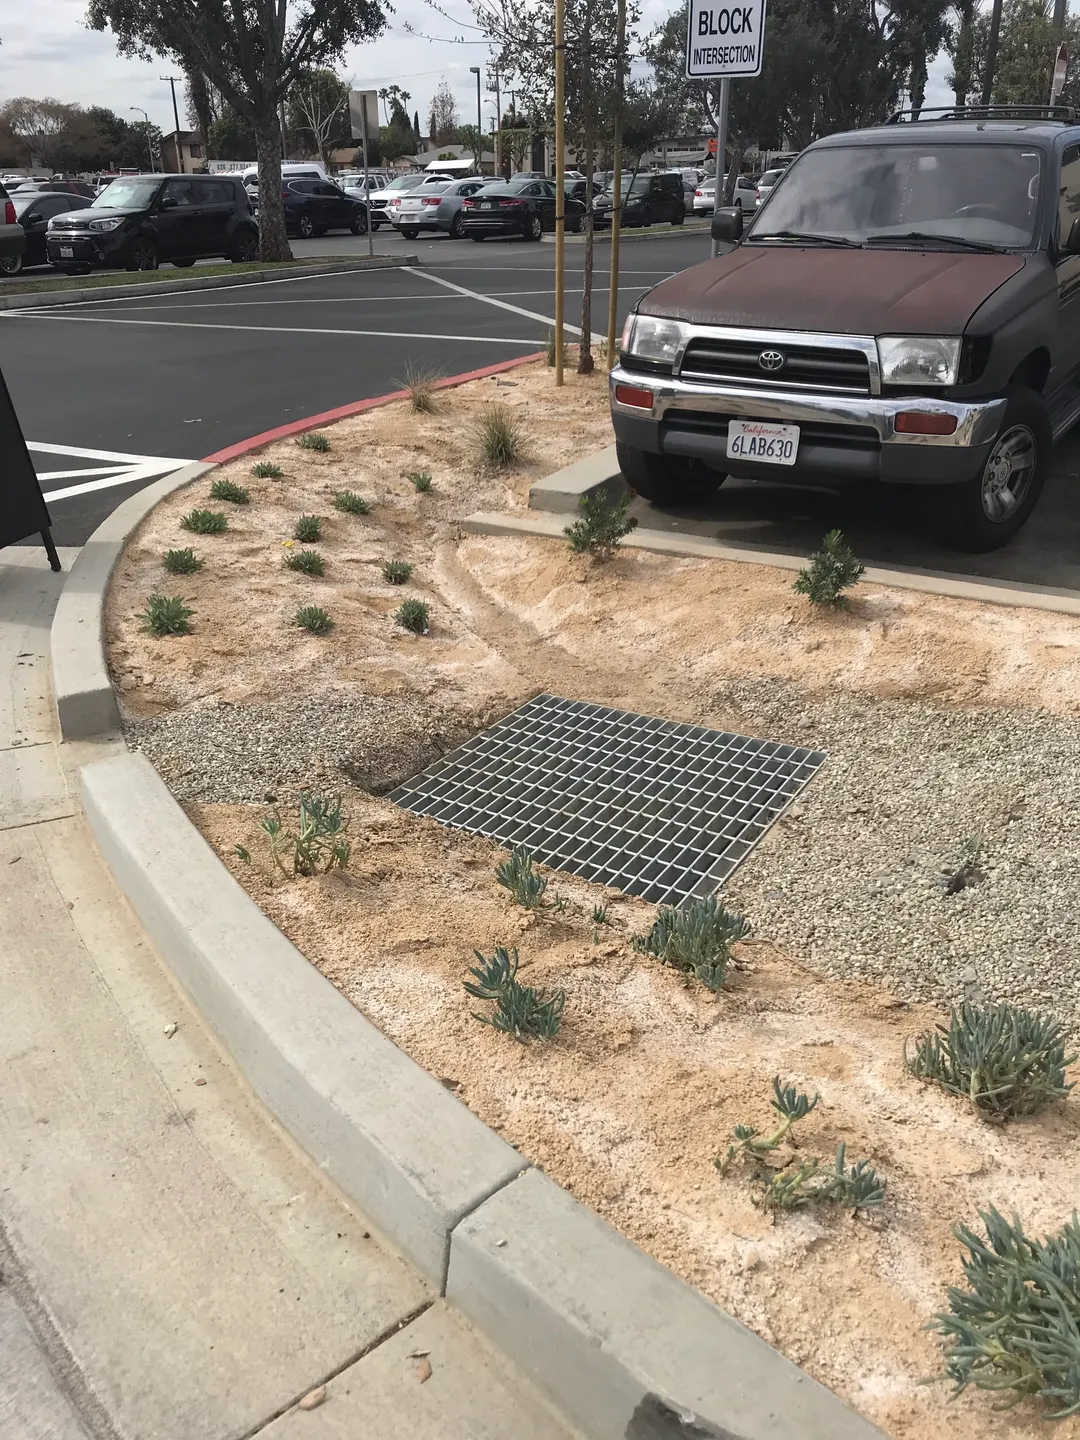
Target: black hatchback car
312,207
520,207
33,210
140,220
646,198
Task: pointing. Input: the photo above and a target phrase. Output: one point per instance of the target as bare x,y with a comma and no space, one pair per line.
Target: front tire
245,248
142,255
358,224
678,217
477,238
666,480
305,227
457,227
534,228
11,265
986,512
410,232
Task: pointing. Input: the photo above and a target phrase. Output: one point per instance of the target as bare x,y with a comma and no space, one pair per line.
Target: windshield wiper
810,239
923,235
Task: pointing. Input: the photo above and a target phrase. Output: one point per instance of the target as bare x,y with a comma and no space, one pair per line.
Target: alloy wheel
1008,473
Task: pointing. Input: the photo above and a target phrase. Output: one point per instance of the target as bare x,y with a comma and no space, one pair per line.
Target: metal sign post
724,41
23,510
363,112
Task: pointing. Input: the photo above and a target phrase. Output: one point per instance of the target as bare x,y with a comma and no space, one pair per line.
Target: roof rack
1065,113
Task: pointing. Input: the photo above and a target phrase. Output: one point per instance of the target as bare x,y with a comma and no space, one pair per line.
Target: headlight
919,359
105,224
658,340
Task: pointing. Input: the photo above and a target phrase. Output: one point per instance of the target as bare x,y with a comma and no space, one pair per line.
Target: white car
766,183
705,198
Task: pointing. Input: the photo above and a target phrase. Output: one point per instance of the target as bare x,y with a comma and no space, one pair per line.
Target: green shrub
351,503
421,480
204,522
420,383
604,521
182,562
552,351
308,562
396,572
226,490
166,615
831,571
519,1010
313,440
314,619
1014,1327
857,1188
267,470
522,879
790,1104
696,938
1004,1060
315,842
501,440
308,529
413,615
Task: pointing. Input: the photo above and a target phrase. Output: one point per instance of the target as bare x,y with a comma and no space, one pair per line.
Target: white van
290,170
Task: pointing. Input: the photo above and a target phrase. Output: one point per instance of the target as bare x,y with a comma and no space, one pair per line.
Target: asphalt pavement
113,392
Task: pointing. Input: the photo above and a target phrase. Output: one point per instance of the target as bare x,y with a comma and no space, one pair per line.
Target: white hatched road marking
123,470
283,329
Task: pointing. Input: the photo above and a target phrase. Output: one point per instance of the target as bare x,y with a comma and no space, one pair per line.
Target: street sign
1061,69
724,38
364,105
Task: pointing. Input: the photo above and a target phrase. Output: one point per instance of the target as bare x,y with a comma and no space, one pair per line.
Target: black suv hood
75,219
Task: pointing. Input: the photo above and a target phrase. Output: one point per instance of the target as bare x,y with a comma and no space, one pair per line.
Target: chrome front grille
765,365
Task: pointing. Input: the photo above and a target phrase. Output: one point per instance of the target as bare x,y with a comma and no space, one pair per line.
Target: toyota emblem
771,359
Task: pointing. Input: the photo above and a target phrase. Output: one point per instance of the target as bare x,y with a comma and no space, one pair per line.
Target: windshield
985,195
406,182
130,194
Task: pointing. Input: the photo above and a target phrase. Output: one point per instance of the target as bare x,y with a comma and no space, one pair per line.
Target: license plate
485,204
67,252
762,440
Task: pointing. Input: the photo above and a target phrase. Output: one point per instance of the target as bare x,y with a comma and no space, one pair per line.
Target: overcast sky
46,51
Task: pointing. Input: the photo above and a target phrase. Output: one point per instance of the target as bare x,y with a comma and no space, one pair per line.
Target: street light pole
176,120
560,186
475,70
149,148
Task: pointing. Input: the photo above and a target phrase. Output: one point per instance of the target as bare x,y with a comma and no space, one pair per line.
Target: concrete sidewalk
171,1268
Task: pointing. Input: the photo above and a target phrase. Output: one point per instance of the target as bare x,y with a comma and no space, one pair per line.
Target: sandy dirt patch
629,1105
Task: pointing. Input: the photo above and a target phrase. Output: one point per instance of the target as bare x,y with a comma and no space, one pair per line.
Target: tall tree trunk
965,42
585,356
273,241
737,145
1060,8
199,104
918,78
991,52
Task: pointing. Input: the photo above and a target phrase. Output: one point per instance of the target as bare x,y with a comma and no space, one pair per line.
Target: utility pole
475,70
149,147
176,120
616,180
560,185
493,84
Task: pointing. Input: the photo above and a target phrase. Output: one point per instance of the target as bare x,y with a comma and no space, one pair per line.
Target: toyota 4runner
903,309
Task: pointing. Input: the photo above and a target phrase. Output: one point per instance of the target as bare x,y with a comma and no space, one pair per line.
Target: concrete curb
33,300
550,526
627,1349
561,493
395,1141
631,237
85,701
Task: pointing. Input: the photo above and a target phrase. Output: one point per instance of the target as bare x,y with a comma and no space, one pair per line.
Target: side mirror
727,224
170,202
34,219
1072,240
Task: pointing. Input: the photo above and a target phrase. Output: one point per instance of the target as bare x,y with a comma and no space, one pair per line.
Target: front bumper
847,439
105,247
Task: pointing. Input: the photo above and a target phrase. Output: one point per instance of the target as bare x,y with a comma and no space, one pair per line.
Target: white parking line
209,289
125,468
289,329
313,300
501,304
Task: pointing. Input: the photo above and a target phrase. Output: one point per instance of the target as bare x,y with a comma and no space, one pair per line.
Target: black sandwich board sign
23,510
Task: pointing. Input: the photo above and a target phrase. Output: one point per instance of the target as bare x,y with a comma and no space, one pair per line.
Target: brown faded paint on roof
847,292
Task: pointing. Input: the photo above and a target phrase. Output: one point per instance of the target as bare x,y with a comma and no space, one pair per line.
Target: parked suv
312,207
140,220
12,237
904,310
646,198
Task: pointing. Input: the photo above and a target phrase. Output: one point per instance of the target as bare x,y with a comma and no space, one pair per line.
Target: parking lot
156,381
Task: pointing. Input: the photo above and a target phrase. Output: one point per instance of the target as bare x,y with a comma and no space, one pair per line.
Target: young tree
471,138
38,126
317,112
252,51
416,128
231,137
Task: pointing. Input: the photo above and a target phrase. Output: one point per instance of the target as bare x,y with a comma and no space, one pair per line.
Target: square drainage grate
652,808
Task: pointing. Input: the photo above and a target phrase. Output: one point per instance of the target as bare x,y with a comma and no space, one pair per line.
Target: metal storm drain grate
655,809
652,808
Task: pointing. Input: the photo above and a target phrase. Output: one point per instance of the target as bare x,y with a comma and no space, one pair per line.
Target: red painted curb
297,427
